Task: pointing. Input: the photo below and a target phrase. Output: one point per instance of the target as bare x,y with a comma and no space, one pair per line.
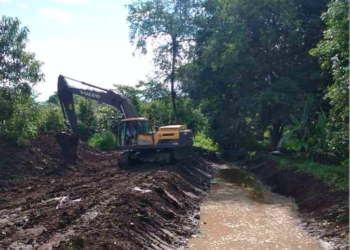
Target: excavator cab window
131,129
145,127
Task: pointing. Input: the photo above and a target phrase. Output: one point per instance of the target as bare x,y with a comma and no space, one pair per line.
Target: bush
22,124
51,118
201,140
292,146
104,141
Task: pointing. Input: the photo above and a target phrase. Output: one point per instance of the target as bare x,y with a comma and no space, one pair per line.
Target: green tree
250,68
19,71
87,120
171,24
239,38
152,90
23,122
155,102
16,64
54,99
107,118
51,118
333,53
131,93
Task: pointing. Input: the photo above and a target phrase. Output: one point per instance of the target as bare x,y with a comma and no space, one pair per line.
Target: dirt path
240,213
102,206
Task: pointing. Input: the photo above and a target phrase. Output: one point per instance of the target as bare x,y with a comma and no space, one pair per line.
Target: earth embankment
49,202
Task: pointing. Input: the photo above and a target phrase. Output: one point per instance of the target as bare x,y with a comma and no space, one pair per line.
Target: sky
87,40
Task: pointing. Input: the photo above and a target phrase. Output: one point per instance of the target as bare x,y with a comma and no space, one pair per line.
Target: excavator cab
135,132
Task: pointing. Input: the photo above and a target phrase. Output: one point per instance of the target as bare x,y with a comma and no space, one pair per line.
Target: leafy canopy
170,25
19,71
333,53
16,64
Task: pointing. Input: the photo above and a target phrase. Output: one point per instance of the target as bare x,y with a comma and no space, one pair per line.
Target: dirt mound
325,213
51,203
43,157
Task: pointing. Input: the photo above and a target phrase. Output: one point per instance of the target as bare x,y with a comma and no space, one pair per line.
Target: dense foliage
19,71
244,76
333,51
272,70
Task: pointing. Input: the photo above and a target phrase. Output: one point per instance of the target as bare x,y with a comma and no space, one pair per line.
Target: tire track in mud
104,198
160,239
148,207
36,211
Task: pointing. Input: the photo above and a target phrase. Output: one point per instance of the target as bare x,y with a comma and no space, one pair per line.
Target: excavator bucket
68,144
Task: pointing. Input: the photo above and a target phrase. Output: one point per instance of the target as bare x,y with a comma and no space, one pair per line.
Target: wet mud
48,202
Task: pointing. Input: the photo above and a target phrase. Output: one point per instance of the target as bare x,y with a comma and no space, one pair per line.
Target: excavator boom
69,141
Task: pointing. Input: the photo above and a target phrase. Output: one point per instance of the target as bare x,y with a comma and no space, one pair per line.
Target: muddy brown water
241,213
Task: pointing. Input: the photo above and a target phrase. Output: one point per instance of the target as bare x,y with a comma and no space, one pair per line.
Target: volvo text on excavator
136,138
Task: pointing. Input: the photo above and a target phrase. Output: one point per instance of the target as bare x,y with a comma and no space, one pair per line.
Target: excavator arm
69,141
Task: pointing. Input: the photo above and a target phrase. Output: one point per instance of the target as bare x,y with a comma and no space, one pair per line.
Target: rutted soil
324,213
47,202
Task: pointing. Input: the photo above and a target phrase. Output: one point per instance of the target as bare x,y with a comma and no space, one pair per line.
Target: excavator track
129,158
124,160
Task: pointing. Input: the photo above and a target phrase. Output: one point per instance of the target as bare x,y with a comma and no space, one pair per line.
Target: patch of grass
334,176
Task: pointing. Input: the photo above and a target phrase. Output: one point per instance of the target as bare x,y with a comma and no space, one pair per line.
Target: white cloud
101,63
4,1
72,1
61,15
23,6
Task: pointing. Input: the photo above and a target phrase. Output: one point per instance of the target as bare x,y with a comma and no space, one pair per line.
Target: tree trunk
276,135
172,80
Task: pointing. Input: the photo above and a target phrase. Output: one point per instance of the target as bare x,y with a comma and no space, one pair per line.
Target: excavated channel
241,213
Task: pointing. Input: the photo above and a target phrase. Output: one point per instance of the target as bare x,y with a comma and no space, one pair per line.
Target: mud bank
47,202
323,212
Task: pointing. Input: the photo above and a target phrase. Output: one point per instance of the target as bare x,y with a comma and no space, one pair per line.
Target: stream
241,213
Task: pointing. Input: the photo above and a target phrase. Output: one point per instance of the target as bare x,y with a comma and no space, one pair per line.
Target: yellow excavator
137,140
